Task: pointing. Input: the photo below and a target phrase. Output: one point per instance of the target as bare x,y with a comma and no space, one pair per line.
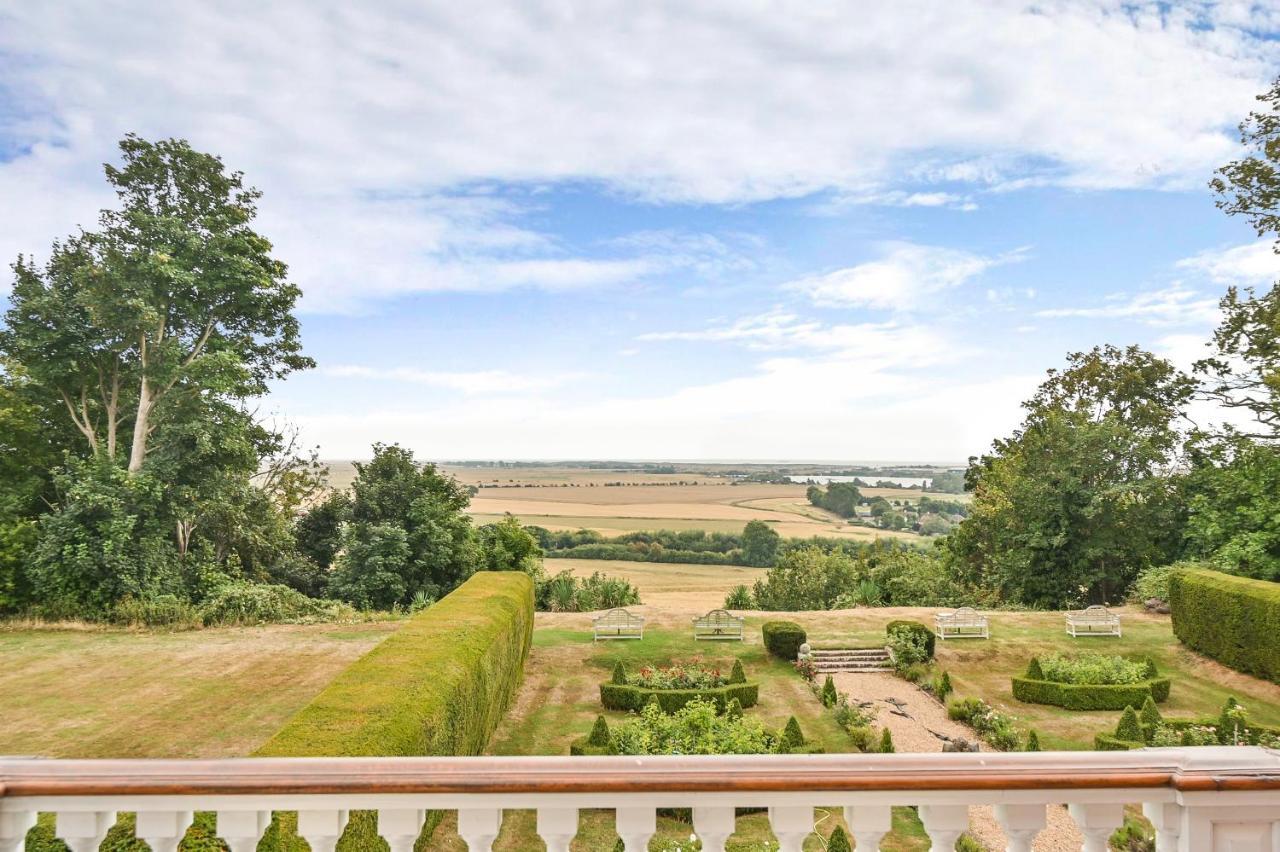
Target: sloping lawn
205,693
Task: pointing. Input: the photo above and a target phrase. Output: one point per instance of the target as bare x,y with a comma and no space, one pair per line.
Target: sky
675,230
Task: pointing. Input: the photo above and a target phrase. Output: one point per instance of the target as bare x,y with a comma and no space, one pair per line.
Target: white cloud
901,280
1175,305
474,382
1248,264
879,345
360,120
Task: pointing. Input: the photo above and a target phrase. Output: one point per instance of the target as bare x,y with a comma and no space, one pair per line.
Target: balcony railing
1199,799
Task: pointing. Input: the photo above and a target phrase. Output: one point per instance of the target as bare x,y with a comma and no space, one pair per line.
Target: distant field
566,498
668,587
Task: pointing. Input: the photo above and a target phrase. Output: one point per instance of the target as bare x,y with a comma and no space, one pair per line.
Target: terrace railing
1199,799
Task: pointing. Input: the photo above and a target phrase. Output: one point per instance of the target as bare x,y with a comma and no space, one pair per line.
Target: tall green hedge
437,686
1235,620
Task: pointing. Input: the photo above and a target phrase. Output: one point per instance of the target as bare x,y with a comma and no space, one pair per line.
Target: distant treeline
757,545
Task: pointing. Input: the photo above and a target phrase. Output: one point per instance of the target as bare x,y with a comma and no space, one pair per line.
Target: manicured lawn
205,693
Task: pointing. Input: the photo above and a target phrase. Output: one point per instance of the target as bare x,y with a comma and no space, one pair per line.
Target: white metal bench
1093,621
964,623
718,624
618,624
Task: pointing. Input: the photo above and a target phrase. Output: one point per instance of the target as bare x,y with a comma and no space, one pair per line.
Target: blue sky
709,230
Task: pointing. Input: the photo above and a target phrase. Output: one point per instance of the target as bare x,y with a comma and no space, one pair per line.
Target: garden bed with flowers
1138,729
672,687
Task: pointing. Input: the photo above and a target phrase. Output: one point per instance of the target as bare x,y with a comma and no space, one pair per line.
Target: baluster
557,827
635,826
163,830
944,825
869,824
400,827
14,826
713,826
321,829
479,827
791,825
1167,819
1021,824
241,830
1097,823
84,831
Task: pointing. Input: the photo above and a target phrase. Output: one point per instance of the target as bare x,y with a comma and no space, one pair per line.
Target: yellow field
568,498
666,587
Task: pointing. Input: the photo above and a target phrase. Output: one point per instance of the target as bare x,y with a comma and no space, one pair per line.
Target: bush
688,676
838,841
908,646
566,593
696,728
1153,582
437,686
160,611
738,675
927,637
943,688
619,674
599,735
242,602
792,737
739,597
1130,728
783,638
829,694
886,742
1232,619
1094,669
1034,672
1033,741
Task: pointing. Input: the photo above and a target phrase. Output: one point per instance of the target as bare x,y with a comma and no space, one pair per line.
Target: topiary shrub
1235,620
783,638
1150,718
734,709
944,687
1130,728
738,675
829,694
1034,672
599,735
838,841
1033,741
927,637
792,737
619,674
886,742
597,742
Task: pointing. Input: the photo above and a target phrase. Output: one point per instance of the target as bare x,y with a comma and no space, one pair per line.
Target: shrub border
1090,696
1234,620
625,697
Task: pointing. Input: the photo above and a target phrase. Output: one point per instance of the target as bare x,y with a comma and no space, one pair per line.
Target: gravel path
1060,835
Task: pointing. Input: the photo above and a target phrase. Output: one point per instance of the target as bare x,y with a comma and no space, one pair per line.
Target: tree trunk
141,426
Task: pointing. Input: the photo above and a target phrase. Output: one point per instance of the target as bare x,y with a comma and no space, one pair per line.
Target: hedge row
1086,696
437,686
616,696
1235,620
783,638
1110,742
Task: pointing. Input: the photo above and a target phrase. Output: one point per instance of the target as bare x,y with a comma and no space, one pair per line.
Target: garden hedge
783,639
623,697
1110,742
930,638
1088,696
437,686
1235,620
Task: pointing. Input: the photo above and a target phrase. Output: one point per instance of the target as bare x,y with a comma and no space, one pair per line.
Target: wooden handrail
1198,769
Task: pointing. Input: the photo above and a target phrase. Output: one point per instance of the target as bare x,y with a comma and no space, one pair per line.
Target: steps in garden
851,660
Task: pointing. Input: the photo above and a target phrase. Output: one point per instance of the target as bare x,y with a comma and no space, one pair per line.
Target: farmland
614,502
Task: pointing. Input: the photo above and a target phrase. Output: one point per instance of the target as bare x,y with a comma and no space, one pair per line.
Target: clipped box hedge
1087,696
1234,620
1110,742
617,696
437,686
783,638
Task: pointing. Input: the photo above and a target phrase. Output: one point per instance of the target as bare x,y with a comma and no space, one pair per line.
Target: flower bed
1090,682
697,728
674,687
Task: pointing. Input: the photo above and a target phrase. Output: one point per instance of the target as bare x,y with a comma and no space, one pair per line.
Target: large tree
173,294
1079,499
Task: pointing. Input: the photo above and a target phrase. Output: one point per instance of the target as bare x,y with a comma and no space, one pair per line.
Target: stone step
852,669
